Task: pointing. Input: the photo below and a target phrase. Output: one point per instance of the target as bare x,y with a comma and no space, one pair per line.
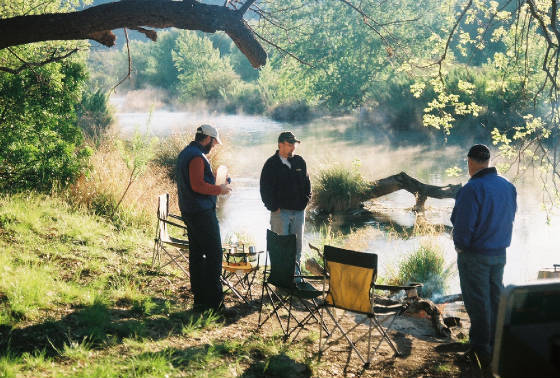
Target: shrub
295,111
94,115
245,98
41,146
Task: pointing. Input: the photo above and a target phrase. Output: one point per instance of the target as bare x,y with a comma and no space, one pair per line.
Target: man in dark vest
482,227
197,201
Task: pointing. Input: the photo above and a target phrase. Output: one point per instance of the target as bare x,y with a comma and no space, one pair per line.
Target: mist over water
250,140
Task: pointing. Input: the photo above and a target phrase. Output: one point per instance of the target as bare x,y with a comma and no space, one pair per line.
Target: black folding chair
350,280
280,288
171,247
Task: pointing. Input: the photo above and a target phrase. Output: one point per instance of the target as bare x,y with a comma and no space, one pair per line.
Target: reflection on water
337,140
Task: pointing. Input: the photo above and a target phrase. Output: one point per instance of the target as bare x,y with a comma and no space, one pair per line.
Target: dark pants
481,284
205,259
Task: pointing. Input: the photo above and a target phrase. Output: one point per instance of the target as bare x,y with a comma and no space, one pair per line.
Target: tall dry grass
101,189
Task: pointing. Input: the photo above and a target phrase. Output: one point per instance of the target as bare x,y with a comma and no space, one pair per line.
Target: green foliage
349,58
94,114
203,73
244,97
337,188
40,143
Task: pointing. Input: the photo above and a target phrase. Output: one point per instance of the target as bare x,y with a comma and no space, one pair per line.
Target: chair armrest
309,277
411,290
175,216
240,254
315,249
173,224
396,287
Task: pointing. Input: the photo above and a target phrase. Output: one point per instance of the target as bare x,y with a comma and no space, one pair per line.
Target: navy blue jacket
191,202
483,214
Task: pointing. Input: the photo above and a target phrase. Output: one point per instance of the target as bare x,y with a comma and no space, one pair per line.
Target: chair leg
233,289
384,336
345,335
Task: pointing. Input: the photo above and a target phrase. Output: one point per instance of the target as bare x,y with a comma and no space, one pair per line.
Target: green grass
197,323
78,299
443,369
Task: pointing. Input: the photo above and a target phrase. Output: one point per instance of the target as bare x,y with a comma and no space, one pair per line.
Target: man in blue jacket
482,226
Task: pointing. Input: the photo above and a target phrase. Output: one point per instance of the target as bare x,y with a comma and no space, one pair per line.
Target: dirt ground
423,354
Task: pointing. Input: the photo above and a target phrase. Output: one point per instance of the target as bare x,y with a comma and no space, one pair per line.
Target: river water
250,140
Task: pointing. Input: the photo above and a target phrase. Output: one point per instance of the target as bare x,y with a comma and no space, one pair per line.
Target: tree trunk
97,22
420,190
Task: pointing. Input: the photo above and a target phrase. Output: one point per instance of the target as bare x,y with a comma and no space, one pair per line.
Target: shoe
199,308
481,359
228,313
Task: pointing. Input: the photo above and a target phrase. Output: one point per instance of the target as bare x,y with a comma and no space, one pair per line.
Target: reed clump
425,265
337,188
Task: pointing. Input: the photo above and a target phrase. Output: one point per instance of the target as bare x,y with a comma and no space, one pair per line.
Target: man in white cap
197,194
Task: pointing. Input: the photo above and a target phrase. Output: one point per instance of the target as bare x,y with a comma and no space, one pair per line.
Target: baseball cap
479,152
210,131
287,136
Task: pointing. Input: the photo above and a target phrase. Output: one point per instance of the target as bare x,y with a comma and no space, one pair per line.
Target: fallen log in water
387,185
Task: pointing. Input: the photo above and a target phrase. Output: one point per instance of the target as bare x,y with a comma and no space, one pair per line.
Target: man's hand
224,189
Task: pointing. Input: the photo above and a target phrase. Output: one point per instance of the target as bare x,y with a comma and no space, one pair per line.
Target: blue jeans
286,222
481,284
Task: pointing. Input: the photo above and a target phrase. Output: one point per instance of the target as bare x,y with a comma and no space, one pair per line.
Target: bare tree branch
245,7
283,50
129,64
25,65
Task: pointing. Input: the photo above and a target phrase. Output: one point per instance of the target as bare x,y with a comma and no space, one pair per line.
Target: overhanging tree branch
96,23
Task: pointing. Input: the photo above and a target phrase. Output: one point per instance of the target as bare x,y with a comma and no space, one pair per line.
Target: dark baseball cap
287,136
479,152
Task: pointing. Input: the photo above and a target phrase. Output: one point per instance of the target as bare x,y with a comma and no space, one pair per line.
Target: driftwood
433,312
387,185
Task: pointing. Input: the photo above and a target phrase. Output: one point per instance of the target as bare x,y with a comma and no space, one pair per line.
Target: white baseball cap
210,131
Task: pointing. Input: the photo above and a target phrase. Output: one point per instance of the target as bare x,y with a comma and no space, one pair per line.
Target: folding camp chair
351,284
239,270
283,292
172,247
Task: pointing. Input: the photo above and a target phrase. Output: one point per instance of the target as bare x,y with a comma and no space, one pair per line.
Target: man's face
286,149
208,143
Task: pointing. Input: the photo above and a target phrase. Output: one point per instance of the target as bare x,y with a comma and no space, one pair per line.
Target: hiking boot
227,312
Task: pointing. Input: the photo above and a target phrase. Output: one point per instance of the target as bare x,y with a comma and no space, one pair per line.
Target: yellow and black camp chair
351,284
172,247
280,288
